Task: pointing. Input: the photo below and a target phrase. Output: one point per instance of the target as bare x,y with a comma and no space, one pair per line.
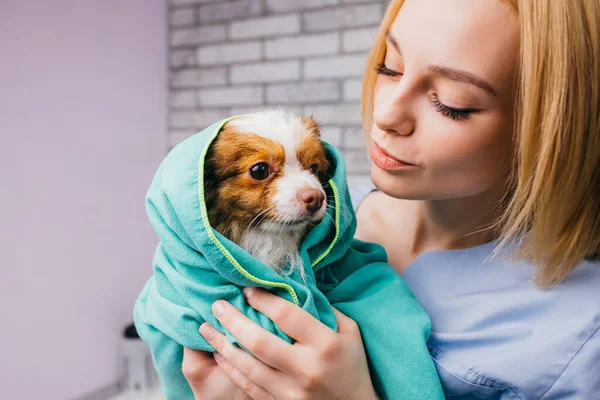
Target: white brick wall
183,58
304,45
183,17
304,92
343,17
194,120
352,89
229,53
335,67
230,96
198,35
296,5
188,2
356,161
280,71
339,114
228,10
190,78
182,99
267,26
229,57
354,138
358,39
332,135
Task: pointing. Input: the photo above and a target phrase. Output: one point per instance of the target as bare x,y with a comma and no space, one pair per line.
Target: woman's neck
455,223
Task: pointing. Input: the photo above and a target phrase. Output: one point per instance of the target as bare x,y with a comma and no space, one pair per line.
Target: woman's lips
387,162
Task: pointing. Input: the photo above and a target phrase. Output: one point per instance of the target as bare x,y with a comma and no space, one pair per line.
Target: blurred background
93,94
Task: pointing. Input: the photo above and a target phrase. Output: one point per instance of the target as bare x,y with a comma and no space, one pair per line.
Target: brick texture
304,45
304,92
277,6
191,78
266,26
280,71
228,10
346,66
230,57
343,17
229,53
230,96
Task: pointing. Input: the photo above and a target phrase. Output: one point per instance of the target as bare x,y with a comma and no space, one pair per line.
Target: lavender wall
83,127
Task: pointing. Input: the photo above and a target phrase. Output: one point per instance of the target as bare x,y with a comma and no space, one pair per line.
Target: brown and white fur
264,176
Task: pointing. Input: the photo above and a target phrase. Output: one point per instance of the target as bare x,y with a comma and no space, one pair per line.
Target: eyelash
383,70
453,113
457,115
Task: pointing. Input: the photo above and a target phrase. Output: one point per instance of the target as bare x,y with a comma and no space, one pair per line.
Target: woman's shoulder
379,220
359,193
519,338
365,203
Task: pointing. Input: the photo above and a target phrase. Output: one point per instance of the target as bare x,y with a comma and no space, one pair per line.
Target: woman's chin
397,186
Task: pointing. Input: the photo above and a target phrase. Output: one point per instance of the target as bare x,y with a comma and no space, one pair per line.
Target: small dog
264,177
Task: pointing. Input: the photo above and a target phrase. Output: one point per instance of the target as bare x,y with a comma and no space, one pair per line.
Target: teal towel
195,265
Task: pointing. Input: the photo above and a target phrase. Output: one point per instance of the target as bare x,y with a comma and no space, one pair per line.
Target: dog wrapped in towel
195,264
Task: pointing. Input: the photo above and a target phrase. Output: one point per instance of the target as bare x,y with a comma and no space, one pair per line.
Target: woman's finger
346,325
264,345
197,365
207,380
291,319
252,389
253,369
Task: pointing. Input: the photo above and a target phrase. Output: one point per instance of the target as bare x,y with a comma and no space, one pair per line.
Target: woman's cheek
469,163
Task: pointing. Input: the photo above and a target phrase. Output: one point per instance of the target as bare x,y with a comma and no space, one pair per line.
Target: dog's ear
312,125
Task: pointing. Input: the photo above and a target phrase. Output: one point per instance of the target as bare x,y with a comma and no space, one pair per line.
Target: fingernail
218,308
248,291
219,357
207,331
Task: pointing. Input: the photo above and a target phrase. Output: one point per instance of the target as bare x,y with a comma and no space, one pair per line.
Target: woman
483,120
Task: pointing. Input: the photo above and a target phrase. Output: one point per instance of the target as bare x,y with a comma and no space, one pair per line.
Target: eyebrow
450,73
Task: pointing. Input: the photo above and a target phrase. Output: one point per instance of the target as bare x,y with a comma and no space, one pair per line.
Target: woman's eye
383,70
314,169
455,114
260,171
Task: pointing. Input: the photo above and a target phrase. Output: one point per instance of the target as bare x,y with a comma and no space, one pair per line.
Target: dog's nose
312,198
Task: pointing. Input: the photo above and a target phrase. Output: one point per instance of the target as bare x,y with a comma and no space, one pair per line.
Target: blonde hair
552,210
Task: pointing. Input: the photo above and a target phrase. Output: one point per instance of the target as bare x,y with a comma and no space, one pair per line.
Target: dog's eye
314,169
260,171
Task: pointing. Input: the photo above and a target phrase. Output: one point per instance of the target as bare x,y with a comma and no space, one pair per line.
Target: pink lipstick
386,161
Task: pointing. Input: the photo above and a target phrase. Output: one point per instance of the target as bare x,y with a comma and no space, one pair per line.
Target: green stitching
210,230
337,223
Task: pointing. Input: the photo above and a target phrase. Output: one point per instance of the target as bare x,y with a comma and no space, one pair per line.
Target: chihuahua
264,177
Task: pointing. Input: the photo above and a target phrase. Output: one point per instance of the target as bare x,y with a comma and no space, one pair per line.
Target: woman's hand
322,364
207,380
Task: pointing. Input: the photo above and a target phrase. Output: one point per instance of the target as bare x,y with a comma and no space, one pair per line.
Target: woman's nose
393,110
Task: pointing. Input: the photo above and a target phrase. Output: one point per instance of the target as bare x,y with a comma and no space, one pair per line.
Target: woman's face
444,100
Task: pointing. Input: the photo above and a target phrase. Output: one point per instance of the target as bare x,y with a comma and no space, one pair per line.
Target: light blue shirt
495,335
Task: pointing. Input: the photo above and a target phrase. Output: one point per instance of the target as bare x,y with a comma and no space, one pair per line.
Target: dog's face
265,170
